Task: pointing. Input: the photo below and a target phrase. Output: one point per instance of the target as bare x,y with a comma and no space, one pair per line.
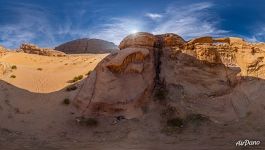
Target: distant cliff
80,46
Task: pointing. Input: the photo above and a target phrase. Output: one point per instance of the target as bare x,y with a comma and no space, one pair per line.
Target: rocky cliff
80,46
33,49
122,81
219,78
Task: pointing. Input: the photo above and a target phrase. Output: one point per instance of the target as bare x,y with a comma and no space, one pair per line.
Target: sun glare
134,31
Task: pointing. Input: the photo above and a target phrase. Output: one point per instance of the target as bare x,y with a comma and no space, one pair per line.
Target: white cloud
252,39
190,21
258,34
116,29
37,24
13,35
27,27
154,16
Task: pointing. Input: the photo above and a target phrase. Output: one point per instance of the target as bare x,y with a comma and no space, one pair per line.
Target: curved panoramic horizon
132,75
51,23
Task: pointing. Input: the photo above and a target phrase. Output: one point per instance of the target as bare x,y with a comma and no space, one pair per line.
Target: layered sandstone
141,39
211,76
33,49
204,75
87,46
123,81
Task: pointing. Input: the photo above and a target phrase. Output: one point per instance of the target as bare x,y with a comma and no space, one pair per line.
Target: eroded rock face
129,56
206,39
33,49
141,39
217,78
85,45
121,83
172,40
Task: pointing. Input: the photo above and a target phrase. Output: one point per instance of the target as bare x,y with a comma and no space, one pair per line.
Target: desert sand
157,92
45,74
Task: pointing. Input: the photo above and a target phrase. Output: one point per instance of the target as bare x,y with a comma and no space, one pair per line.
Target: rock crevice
201,76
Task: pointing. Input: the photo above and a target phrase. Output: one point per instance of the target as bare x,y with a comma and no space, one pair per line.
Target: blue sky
48,23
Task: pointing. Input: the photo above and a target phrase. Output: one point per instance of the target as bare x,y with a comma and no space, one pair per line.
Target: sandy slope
35,121
33,116
40,121
43,74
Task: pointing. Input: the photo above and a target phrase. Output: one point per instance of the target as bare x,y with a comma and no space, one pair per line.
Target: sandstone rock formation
2,50
33,49
212,77
138,40
95,46
125,80
172,40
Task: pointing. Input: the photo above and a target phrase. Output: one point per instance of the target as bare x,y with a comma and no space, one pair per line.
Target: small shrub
87,121
79,77
175,122
39,69
196,119
14,67
91,122
66,101
71,88
89,72
75,79
12,76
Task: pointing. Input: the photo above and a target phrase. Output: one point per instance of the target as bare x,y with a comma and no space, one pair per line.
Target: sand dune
43,74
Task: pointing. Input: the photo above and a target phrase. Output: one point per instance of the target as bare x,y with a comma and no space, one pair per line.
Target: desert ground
44,74
206,104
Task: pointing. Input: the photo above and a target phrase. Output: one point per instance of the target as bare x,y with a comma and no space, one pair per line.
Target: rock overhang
148,40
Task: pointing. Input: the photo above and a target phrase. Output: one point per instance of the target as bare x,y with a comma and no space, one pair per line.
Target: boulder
172,40
120,84
141,39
